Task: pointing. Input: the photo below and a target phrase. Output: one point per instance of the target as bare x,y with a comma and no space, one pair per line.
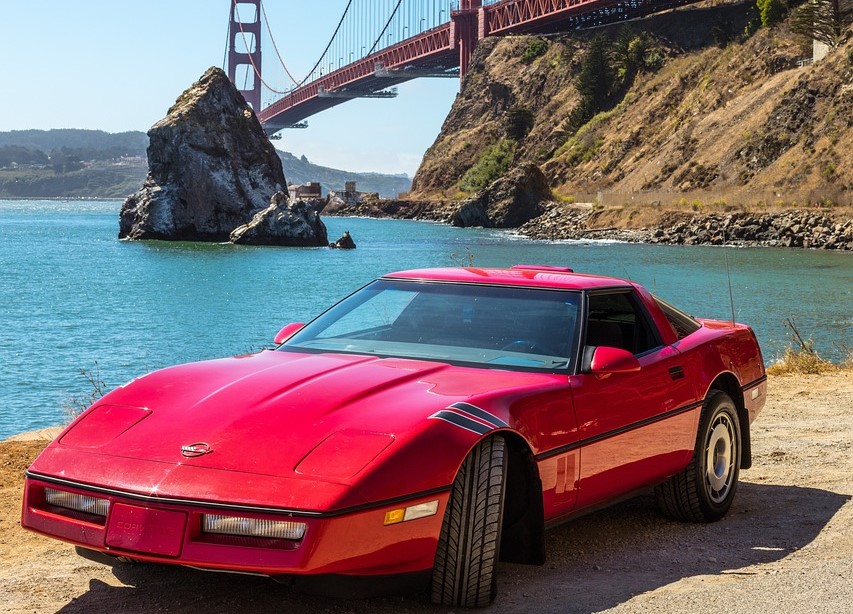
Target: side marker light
413,512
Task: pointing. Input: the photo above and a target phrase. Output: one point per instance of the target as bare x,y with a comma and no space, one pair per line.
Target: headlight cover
253,527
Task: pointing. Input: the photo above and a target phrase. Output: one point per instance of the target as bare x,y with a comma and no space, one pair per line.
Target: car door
634,428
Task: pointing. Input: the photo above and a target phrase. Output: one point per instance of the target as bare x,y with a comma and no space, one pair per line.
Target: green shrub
535,48
492,164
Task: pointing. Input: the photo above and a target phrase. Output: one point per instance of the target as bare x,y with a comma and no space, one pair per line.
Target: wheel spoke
719,458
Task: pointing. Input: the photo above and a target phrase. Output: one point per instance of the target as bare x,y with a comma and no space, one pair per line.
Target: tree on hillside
822,20
594,82
632,52
771,11
12,154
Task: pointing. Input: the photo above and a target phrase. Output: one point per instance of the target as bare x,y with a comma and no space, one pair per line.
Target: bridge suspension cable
365,27
256,69
275,46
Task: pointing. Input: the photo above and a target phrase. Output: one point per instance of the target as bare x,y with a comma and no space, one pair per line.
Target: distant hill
71,163
96,143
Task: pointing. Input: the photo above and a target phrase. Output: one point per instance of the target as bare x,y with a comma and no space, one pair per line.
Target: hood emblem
196,449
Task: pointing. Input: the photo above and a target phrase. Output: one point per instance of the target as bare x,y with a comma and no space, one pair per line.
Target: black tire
464,573
705,489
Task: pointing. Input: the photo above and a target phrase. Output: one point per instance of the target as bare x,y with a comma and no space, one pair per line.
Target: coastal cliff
695,110
682,101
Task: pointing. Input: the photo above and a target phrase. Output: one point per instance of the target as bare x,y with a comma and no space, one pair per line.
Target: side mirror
287,332
606,360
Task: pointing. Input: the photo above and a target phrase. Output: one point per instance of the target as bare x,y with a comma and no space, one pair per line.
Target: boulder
295,224
471,213
211,168
509,202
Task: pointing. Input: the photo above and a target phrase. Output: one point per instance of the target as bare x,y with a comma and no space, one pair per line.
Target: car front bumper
352,542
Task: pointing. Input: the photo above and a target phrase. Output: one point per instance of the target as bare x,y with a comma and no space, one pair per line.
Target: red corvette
431,423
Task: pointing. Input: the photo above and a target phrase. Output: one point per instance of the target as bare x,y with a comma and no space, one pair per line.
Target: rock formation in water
212,169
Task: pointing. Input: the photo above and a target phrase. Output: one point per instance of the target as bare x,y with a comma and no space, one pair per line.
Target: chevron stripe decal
470,417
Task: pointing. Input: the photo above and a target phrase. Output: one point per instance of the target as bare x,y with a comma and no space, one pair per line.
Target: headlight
79,503
252,527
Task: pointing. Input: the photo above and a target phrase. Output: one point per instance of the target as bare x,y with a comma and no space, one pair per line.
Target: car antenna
728,274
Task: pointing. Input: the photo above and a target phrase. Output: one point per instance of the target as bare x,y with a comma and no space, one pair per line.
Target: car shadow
594,563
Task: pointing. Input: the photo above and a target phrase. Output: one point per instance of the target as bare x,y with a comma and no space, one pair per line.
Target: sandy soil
787,544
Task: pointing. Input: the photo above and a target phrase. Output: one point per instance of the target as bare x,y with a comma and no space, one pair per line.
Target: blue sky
118,65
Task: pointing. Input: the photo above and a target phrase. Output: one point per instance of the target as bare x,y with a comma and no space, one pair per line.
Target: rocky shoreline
803,228
788,228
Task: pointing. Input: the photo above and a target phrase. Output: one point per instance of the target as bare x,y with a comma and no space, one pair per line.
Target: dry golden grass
801,358
802,361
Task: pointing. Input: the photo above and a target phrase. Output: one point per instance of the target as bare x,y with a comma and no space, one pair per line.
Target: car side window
615,319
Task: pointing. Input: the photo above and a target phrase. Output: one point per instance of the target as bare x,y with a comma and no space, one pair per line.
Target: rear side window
616,320
681,323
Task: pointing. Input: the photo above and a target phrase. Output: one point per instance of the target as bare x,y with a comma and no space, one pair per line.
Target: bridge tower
467,28
244,33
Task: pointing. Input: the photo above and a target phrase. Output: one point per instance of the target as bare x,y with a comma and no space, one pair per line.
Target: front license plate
143,529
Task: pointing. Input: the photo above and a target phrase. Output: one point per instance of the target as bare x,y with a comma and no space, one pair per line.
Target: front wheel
464,573
705,489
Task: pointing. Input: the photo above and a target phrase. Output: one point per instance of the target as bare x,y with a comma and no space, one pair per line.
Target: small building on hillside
309,191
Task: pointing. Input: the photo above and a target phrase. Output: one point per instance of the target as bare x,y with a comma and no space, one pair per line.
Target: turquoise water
73,295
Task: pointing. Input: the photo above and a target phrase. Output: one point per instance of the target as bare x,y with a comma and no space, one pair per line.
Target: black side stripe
755,383
461,421
482,414
615,432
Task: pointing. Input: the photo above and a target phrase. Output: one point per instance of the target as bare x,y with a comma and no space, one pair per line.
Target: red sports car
430,424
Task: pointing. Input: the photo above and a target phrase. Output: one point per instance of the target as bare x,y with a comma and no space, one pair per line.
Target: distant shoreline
63,198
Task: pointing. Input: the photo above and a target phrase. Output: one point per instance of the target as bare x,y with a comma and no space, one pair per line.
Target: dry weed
801,357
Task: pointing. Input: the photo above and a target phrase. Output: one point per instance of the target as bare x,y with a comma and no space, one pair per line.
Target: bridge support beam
244,33
466,29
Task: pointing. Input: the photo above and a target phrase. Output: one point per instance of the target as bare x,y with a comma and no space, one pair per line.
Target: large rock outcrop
212,169
509,202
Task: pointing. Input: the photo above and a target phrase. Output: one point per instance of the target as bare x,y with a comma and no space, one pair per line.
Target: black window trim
638,304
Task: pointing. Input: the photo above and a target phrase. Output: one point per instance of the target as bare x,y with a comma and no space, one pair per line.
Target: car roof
539,276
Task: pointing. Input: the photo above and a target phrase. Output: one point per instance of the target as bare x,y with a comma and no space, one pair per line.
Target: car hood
281,414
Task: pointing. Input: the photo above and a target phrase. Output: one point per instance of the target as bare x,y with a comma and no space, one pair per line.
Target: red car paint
336,440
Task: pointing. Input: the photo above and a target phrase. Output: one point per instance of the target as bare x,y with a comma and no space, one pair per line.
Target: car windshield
485,326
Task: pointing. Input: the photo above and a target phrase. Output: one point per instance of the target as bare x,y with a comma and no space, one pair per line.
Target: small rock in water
345,242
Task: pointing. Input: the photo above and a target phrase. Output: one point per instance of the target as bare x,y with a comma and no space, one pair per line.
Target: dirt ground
786,546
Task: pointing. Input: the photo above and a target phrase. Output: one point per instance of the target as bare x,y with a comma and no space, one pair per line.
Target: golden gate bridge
378,44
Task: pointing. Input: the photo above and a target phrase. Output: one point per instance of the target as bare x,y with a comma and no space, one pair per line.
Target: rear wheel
464,573
705,489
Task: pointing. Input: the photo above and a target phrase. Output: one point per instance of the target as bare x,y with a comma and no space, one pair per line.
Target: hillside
694,108
73,163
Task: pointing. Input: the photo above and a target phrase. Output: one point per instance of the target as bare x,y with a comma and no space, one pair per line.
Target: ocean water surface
73,296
